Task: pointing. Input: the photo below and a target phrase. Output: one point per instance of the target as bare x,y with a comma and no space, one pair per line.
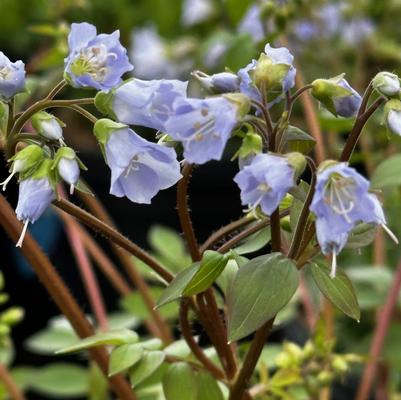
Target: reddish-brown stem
184,215
379,336
11,387
112,234
86,270
60,295
251,359
195,348
276,230
136,278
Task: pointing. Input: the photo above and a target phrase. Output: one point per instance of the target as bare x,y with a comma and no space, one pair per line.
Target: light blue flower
139,168
342,200
145,103
347,106
251,23
96,61
222,82
265,181
203,126
12,77
196,11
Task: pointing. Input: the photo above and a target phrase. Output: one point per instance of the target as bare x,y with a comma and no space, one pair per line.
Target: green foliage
387,173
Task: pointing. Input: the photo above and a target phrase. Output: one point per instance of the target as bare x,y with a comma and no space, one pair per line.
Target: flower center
339,195
133,165
5,72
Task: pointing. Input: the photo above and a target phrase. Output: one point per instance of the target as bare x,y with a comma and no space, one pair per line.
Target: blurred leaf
254,242
50,340
122,320
241,50
260,290
179,382
98,384
338,290
124,356
210,267
286,377
114,338
174,290
61,380
207,387
149,363
362,235
295,139
387,173
268,356
236,9
178,349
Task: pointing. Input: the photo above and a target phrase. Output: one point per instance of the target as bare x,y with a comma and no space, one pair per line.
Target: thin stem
266,115
299,92
113,235
11,387
86,269
56,90
60,295
89,116
250,361
357,129
11,116
184,215
276,230
96,207
224,231
379,336
195,348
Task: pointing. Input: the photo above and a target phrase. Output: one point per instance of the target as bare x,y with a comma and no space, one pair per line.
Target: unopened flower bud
339,364
392,115
68,166
387,83
12,316
268,74
48,126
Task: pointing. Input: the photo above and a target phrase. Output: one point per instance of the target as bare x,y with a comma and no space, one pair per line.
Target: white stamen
4,183
333,265
23,233
71,189
390,234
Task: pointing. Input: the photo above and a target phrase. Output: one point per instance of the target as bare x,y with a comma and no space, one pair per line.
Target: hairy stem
60,295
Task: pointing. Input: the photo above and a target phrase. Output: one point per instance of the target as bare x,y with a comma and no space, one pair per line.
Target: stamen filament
23,233
333,265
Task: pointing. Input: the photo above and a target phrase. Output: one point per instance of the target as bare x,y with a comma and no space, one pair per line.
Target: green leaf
115,338
149,363
174,290
179,382
123,357
226,278
61,380
98,384
387,173
207,387
338,290
254,242
166,242
296,139
362,235
211,266
262,287
50,340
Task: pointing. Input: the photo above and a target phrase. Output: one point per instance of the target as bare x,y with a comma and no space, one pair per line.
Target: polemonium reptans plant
307,209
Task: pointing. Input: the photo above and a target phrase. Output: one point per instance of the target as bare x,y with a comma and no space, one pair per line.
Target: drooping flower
25,162
144,103
139,168
12,77
347,106
96,61
35,194
392,116
67,165
274,70
342,200
48,126
265,182
203,126
387,83
222,82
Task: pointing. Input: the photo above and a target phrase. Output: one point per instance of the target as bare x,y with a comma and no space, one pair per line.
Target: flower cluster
195,121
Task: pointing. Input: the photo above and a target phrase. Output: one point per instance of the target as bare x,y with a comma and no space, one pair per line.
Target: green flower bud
297,161
283,360
25,162
12,316
48,126
268,74
325,377
387,84
339,364
252,144
392,116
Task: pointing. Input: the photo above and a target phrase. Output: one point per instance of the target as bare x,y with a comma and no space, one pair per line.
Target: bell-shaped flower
144,103
25,162
202,85
96,61
337,95
48,126
342,200
203,126
274,71
36,192
392,116
265,181
387,84
139,168
12,77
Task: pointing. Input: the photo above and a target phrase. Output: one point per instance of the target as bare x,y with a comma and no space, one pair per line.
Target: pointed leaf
114,338
174,290
123,357
149,363
211,266
338,290
179,382
254,242
260,290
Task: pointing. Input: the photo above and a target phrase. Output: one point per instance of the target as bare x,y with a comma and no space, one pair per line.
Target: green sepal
297,161
104,127
326,164
40,116
326,90
4,111
252,144
382,81
242,101
32,155
44,171
104,100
